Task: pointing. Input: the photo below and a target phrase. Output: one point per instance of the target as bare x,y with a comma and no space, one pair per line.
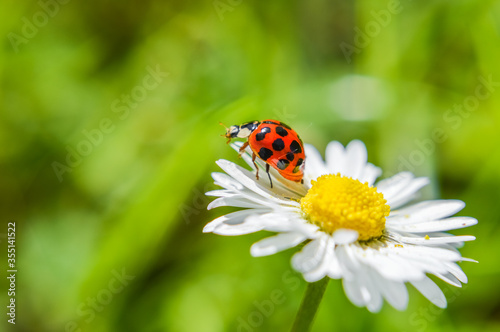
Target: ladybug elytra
275,143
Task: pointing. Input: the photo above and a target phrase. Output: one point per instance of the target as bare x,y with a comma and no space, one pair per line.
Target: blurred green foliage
130,200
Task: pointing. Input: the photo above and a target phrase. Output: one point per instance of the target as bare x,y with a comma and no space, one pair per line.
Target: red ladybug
275,143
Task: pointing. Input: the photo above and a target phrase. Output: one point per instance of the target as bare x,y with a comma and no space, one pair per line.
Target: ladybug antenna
223,125
227,129
226,135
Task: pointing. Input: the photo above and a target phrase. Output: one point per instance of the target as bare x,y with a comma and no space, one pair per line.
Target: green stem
309,305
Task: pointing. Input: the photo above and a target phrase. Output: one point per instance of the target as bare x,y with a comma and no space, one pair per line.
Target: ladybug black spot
290,156
299,162
295,147
296,169
265,153
278,144
282,164
281,131
262,134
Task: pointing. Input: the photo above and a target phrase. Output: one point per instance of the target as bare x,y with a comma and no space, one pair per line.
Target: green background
132,199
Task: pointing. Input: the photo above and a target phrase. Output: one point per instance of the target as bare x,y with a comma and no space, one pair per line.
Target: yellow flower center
336,201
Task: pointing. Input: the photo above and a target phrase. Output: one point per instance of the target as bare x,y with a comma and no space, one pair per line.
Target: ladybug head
242,131
233,132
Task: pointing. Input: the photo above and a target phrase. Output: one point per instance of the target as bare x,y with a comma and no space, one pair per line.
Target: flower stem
309,305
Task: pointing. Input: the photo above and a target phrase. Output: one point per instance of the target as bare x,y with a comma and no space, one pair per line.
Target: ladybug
275,143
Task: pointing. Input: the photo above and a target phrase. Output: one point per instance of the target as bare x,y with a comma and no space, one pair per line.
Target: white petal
345,236
435,226
427,211
433,252
335,157
225,181
393,291
238,229
325,259
457,272
357,275
234,217
375,303
334,269
315,165
284,221
391,186
354,293
368,285
427,265
431,291
391,266
311,256
274,244
408,193
436,240
232,201
369,174
220,193
251,198
356,159
400,188
450,246
464,259
402,263
348,260
449,278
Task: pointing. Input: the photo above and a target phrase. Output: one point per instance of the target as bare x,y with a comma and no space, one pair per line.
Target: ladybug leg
242,150
255,164
269,175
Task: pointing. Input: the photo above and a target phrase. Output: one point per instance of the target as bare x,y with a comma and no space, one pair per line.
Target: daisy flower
353,228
